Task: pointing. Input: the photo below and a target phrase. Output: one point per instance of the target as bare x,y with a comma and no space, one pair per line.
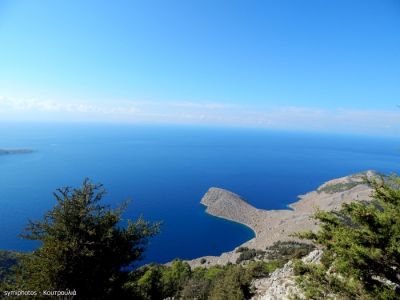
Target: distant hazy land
15,151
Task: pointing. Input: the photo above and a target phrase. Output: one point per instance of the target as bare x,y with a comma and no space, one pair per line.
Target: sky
315,65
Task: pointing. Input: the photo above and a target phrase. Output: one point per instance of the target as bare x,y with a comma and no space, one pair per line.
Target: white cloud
339,120
210,113
200,105
50,106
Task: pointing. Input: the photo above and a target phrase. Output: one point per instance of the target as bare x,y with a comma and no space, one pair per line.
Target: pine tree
84,246
361,244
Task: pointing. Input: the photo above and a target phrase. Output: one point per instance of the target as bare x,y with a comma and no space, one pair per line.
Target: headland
15,151
271,226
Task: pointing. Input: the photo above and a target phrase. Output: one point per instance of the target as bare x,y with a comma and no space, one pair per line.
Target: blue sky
304,65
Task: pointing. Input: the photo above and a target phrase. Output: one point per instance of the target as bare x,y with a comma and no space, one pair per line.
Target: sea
165,170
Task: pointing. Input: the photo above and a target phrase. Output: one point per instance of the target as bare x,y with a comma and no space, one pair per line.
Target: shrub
246,255
361,257
288,250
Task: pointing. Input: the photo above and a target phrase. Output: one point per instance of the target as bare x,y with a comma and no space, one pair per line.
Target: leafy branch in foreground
361,244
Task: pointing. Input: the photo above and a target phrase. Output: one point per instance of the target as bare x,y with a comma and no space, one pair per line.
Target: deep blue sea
165,170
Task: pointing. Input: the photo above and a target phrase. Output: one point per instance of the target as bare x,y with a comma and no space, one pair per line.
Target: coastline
224,212
4,151
254,234
270,226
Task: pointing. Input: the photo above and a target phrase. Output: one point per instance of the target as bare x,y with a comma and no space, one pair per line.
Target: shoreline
270,226
254,234
10,151
248,227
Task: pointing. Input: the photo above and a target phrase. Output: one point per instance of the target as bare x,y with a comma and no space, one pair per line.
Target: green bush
233,284
242,249
361,243
9,260
261,269
178,281
339,187
248,254
287,250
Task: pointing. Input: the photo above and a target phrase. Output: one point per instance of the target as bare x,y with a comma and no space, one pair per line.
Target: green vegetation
232,281
246,255
288,250
83,247
249,254
180,281
338,187
281,251
86,247
361,245
8,261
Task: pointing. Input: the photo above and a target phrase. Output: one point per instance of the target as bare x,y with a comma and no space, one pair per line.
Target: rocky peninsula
271,226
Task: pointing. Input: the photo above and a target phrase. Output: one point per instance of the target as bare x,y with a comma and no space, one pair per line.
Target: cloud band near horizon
339,120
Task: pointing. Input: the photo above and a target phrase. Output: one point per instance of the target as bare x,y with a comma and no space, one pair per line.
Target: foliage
261,269
178,281
281,250
242,249
196,288
232,281
287,250
145,283
248,254
158,281
234,284
361,245
83,247
338,187
174,277
8,262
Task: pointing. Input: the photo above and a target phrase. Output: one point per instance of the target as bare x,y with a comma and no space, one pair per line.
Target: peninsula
271,226
15,151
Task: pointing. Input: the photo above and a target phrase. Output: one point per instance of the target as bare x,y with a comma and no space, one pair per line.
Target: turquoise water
166,171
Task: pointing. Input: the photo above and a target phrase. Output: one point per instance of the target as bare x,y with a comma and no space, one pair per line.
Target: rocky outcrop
281,284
